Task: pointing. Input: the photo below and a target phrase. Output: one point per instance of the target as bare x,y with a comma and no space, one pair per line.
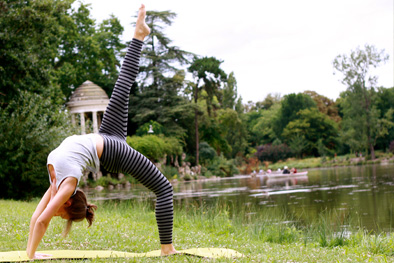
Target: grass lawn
130,226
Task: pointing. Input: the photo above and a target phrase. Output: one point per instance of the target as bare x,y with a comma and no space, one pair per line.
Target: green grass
261,237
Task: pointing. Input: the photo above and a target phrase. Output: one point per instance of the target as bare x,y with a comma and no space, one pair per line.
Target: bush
391,147
207,153
273,152
222,167
170,172
155,147
30,128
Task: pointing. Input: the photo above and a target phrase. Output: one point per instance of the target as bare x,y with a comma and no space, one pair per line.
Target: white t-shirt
75,154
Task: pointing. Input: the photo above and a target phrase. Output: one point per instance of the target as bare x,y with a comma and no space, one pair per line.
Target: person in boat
293,170
286,170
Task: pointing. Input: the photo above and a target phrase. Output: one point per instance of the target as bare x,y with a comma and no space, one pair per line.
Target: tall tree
160,95
325,105
361,116
385,103
88,51
31,32
49,48
230,93
313,127
290,106
209,77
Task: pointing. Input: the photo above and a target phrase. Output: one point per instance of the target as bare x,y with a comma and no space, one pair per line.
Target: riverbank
321,162
130,226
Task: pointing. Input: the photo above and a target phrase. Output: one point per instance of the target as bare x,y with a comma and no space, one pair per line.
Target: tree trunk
371,148
196,122
197,140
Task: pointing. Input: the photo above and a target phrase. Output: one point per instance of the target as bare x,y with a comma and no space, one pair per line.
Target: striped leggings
118,156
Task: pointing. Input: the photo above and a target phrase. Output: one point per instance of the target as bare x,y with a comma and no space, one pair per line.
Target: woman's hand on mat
41,256
168,249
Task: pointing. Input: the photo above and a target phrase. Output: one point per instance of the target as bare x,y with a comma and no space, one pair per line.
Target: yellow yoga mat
17,256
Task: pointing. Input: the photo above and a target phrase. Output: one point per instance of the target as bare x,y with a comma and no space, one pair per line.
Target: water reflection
364,191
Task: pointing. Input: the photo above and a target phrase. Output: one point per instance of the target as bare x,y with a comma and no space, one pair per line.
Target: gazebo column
73,119
83,123
95,125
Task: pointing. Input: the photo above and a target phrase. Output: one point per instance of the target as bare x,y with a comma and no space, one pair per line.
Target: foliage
391,147
160,95
29,40
169,171
222,167
262,129
273,152
298,145
362,124
207,153
385,102
233,131
144,129
30,127
155,147
49,48
313,126
325,105
209,77
88,51
230,93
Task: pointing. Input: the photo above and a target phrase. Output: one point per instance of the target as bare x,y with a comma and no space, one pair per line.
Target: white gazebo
88,99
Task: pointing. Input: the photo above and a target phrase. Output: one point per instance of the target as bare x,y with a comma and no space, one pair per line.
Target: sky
278,47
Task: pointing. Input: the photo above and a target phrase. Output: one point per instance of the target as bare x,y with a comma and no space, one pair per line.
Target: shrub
207,153
391,147
169,172
155,147
273,152
222,167
30,128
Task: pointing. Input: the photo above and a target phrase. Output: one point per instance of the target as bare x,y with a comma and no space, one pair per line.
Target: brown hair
78,210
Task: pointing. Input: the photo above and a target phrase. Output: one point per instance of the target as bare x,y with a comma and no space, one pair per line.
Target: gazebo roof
88,97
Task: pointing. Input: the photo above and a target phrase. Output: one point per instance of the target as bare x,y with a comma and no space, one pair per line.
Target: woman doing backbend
79,152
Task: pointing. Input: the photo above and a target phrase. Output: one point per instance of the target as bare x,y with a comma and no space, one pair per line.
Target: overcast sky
281,46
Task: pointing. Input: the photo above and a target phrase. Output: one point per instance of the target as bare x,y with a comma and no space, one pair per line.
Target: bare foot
168,249
141,28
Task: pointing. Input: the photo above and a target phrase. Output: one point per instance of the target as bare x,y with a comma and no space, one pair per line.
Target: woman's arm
39,209
40,224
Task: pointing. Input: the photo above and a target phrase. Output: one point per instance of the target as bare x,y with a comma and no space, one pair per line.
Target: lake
363,192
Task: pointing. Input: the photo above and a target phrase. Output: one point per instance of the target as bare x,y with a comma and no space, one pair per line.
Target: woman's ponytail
90,213
79,210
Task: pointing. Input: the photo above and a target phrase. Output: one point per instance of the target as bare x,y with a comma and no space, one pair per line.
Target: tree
313,127
385,102
233,131
290,106
88,51
31,126
230,92
49,48
325,105
262,131
209,76
29,40
361,116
